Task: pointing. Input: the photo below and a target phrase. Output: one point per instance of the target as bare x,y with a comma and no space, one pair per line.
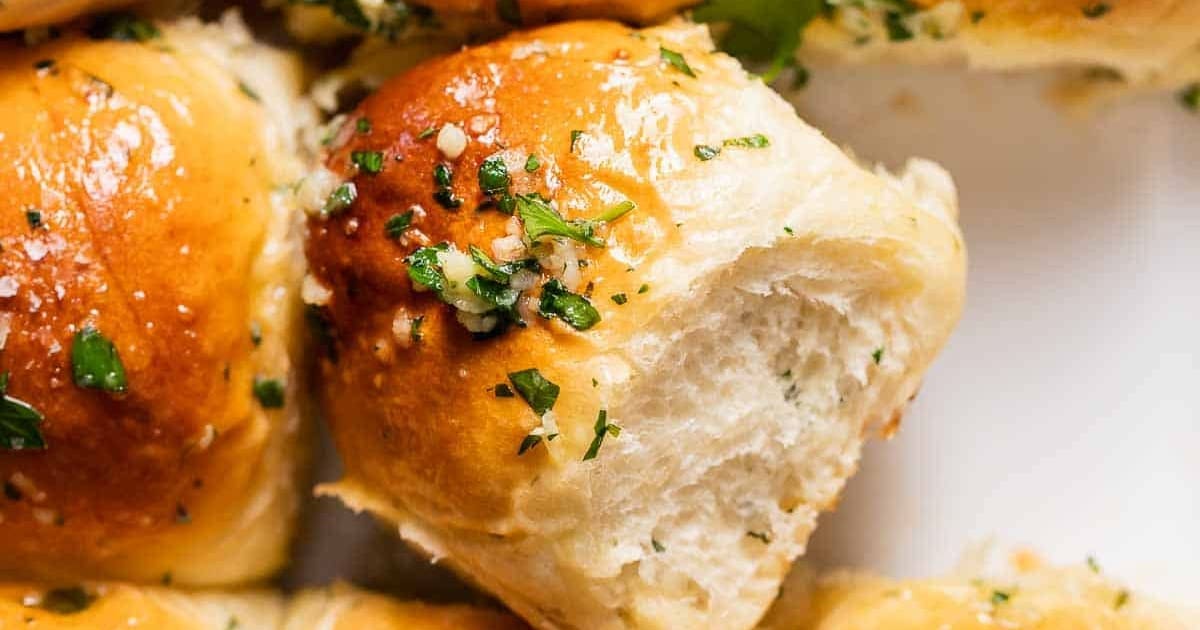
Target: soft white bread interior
110,606
761,310
1018,590
142,202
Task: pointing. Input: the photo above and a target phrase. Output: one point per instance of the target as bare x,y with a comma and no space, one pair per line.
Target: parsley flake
66,601
426,133
269,392
370,162
620,298
601,429
1189,97
539,392
676,60
541,219
95,362
1096,10
395,226
572,308
576,134
123,27
532,163
704,152
340,199
877,355
19,423
362,125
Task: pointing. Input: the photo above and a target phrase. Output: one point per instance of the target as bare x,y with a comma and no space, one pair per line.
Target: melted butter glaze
150,202
427,407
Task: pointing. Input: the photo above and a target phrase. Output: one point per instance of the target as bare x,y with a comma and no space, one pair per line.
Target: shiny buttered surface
100,606
1027,594
603,324
146,339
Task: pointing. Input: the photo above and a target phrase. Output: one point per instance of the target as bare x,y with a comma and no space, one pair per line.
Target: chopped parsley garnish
34,219
502,390
1190,97
66,601
677,60
397,224
43,64
1121,599
620,298
95,362
576,134
572,308
248,91
789,231
19,422
269,392
535,389
414,333
644,288
532,163
1000,597
977,16
897,30
658,547
444,195
182,516
616,211
368,161
423,267
427,133
601,428
705,153
530,441
1093,565
493,176
509,11
877,355
499,295
255,333
761,536
541,219
762,30
123,27
756,141
362,125
499,271
340,199
1096,9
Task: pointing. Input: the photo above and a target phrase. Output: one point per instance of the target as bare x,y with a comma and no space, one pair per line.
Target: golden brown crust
153,204
15,14
425,418
542,11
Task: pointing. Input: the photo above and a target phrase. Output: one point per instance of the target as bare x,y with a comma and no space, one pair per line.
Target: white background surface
1065,413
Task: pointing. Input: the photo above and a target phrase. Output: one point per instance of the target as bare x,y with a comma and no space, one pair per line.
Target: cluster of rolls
593,317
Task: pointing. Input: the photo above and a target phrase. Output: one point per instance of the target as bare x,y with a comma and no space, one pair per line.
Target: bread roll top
137,336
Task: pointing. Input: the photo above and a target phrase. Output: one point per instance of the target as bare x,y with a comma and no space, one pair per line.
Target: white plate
1065,414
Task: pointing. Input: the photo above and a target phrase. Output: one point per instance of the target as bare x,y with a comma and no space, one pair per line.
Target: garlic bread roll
148,310
118,606
1024,594
604,324
1140,40
343,607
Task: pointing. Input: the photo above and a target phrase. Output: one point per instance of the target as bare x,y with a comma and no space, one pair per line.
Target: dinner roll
117,606
1024,593
343,607
625,404
148,314
1139,40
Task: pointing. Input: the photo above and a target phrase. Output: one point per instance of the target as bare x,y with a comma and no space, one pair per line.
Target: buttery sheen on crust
1024,593
777,301
103,606
152,176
